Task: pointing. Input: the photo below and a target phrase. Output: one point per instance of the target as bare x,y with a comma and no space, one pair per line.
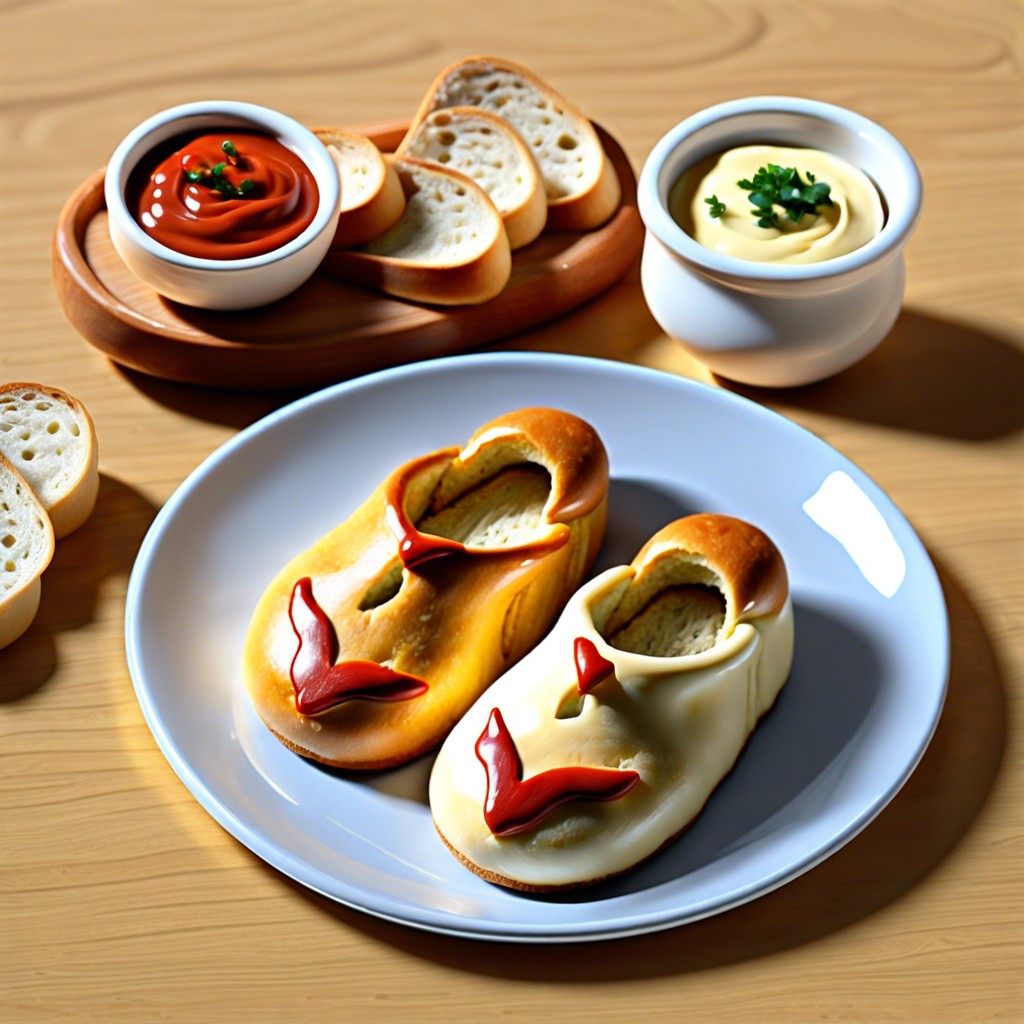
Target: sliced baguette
49,437
26,547
489,150
580,182
449,247
372,199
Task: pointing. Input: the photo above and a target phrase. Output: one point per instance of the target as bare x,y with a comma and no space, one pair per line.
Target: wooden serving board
328,330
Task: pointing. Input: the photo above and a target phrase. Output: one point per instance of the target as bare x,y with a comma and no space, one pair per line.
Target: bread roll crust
456,622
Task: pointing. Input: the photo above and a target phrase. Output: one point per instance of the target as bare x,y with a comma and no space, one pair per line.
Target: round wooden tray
328,330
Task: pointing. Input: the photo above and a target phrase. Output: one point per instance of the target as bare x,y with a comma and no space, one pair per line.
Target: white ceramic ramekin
777,325
211,283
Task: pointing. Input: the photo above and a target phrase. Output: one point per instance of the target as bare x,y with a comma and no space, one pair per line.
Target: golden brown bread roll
368,647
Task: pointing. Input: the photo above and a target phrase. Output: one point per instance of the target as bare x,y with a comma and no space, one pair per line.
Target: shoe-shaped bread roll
368,647
601,745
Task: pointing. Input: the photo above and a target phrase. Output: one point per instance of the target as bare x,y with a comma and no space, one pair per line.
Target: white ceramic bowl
777,325
213,283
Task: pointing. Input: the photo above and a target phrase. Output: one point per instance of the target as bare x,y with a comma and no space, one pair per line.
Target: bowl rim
898,226
285,129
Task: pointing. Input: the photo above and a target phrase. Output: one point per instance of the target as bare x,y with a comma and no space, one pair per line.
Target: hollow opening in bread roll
505,510
679,620
677,606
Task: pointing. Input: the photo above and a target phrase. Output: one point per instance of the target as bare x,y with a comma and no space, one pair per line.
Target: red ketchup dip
224,196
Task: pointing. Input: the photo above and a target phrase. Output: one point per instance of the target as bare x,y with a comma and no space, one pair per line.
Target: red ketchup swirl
320,684
592,667
514,804
237,221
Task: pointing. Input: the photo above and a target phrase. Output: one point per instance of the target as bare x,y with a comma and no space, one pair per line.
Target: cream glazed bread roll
366,648
601,745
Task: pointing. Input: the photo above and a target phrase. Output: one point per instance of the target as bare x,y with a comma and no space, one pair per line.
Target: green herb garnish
215,174
782,186
717,206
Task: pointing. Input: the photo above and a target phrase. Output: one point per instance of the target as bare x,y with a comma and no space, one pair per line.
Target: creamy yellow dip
855,217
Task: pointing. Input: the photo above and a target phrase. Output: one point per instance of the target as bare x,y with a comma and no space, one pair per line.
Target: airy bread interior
679,620
49,438
449,247
491,152
26,547
371,194
581,187
447,220
26,539
504,511
42,437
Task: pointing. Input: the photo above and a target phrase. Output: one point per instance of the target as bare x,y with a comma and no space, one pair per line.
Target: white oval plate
863,700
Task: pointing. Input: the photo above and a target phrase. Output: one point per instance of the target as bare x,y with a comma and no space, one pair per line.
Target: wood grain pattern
121,900
329,329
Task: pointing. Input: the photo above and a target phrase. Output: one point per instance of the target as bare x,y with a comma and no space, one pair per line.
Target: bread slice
49,437
371,194
491,152
581,185
449,247
26,547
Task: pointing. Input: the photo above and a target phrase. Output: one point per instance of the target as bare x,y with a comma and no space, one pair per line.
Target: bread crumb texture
443,221
554,134
25,537
479,150
40,435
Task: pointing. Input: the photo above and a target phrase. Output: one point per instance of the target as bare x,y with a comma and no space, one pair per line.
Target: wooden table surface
122,900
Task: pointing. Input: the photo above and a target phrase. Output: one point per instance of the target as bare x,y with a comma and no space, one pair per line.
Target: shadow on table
931,376
236,409
613,325
104,546
895,853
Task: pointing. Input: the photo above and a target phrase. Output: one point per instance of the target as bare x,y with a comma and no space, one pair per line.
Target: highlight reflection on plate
865,694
